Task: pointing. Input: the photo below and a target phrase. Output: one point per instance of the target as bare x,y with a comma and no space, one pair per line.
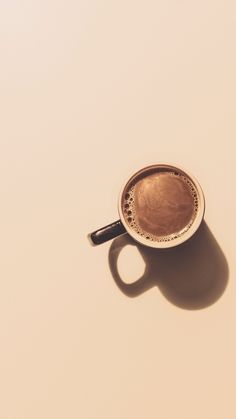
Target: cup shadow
192,276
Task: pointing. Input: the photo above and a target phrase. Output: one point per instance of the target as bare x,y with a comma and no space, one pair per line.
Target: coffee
160,204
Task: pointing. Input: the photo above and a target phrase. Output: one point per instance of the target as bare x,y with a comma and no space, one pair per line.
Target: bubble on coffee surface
161,206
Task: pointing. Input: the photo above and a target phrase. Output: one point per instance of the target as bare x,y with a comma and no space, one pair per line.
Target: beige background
90,92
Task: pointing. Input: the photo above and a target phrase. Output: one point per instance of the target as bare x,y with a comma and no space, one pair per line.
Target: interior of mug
143,194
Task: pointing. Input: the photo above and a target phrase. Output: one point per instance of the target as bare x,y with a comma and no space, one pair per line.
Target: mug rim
185,236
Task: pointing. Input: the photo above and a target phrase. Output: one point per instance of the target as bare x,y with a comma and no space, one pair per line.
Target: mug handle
107,233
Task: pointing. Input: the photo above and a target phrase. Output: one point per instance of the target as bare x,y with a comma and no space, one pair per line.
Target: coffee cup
159,206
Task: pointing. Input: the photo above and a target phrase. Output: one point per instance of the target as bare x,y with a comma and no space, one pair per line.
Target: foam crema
160,204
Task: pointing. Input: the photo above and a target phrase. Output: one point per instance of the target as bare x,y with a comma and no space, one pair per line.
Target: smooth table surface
92,91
